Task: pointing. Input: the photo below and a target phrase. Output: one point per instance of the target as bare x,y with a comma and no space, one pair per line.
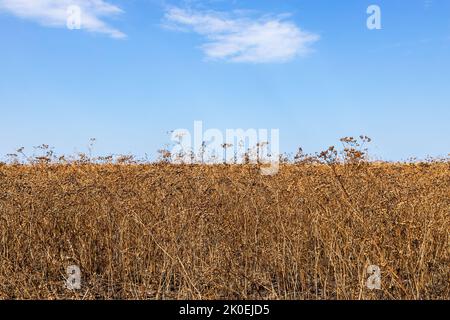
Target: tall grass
163,231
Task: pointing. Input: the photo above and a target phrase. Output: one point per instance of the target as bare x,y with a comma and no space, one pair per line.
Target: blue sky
311,68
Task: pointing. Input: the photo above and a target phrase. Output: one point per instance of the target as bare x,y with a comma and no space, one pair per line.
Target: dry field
164,231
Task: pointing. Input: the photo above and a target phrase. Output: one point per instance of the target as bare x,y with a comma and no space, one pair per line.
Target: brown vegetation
225,231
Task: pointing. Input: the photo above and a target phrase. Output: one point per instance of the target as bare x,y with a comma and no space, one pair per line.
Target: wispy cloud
53,13
239,38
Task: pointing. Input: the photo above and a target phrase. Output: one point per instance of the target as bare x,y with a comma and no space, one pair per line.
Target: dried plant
165,231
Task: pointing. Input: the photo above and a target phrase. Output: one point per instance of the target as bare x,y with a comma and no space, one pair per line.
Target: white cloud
238,38
54,13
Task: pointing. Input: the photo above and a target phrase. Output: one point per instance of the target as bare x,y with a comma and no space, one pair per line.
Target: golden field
165,231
